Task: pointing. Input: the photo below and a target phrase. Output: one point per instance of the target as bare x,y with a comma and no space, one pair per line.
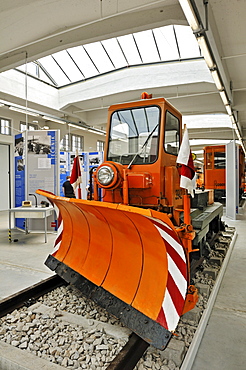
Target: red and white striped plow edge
177,284
59,230
176,288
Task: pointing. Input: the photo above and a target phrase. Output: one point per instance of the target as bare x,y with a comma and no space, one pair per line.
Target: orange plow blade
126,259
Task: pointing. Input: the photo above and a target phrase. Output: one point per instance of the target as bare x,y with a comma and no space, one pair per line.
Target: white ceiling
32,29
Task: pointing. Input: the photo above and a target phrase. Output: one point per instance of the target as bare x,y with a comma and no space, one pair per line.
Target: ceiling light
46,127
217,79
224,97
54,120
24,111
77,126
235,127
233,121
228,109
238,133
205,51
98,132
190,14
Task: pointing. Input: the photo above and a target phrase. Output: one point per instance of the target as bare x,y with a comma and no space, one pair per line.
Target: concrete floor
223,346
223,343
22,262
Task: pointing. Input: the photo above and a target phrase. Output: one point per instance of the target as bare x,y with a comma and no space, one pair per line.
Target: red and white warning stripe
176,288
59,230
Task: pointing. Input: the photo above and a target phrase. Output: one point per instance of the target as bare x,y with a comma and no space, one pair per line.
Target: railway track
134,352
128,356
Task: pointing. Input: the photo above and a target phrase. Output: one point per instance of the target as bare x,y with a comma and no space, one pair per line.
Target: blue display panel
19,175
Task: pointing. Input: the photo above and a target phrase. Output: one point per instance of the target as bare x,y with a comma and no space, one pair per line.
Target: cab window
172,134
219,160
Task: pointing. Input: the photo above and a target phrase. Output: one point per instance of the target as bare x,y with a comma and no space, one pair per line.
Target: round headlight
105,175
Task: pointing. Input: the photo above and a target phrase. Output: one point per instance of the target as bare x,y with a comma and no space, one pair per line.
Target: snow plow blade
128,260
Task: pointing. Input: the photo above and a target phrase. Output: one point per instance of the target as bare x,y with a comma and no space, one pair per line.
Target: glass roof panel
130,50
43,76
147,47
54,70
68,65
166,43
83,61
113,49
99,57
31,68
187,43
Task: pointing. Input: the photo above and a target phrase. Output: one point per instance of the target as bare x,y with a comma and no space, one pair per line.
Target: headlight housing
105,175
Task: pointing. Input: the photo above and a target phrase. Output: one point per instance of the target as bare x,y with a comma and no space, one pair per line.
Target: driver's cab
143,139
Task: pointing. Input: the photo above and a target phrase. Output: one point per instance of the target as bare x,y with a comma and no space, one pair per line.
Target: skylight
169,43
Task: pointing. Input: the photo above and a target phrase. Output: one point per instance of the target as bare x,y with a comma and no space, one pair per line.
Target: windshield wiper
142,147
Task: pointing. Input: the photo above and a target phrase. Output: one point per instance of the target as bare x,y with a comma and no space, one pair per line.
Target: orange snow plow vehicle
131,248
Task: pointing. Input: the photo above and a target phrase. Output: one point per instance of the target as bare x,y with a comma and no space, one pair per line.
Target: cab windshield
134,135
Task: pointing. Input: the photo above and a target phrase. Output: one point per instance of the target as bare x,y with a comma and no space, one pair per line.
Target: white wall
4,176
90,139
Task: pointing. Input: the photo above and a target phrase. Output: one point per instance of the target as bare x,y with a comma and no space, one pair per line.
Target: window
219,160
134,135
5,126
71,142
172,134
65,143
100,146
209,160
167,43
77,142
29,126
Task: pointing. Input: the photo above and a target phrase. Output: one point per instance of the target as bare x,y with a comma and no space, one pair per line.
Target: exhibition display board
36,167
88,160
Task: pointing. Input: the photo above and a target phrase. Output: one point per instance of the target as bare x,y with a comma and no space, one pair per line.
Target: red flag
187,170
76,178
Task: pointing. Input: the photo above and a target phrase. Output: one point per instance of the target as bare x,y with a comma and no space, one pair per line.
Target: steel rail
27,295
130,354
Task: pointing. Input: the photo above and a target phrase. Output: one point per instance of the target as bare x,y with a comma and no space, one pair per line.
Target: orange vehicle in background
215,171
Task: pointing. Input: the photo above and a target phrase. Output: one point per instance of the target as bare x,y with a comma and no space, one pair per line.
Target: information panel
19,175
36,167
